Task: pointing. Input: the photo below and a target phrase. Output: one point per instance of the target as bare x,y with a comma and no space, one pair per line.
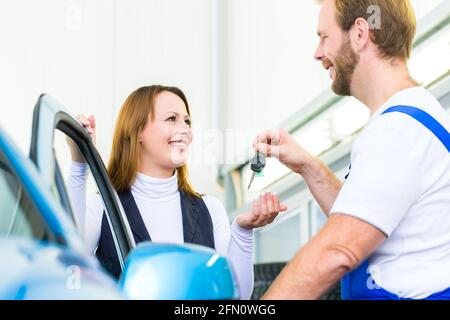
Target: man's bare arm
322,182
338,248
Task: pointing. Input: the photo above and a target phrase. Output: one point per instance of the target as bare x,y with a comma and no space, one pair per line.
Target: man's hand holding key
280,144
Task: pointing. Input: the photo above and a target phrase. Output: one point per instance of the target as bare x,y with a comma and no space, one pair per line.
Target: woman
147,167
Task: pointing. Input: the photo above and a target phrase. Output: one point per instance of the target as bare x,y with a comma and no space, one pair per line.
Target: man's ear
360,34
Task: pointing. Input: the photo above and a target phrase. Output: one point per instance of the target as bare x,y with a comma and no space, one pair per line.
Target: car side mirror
156,271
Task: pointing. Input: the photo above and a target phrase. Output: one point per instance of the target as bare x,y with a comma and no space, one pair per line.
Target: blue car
42,253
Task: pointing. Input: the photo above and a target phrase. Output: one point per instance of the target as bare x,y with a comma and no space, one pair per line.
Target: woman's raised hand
89,124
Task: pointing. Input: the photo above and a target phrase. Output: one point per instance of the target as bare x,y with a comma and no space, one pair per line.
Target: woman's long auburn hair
125,153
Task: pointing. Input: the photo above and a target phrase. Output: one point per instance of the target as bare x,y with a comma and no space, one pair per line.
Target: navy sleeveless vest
197,228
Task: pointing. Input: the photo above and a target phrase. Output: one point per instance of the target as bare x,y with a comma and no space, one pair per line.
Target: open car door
49,116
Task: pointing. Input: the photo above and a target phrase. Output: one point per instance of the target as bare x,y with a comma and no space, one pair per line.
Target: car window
19,217
48,149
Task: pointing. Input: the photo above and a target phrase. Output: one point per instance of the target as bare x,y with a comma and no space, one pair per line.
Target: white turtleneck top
158,201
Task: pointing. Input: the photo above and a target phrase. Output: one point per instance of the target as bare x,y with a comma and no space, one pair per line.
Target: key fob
258,162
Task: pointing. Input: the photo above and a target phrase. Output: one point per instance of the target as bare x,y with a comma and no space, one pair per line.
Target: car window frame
48,116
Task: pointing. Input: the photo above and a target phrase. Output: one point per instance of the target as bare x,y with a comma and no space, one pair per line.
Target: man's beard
344,67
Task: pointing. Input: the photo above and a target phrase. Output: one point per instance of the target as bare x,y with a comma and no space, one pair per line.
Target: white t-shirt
399,182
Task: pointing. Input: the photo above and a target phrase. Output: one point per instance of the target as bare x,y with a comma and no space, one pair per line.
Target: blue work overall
359,284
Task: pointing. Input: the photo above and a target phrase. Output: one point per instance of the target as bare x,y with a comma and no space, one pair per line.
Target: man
388,228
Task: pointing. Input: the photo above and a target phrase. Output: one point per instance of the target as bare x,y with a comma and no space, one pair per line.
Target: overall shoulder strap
427,120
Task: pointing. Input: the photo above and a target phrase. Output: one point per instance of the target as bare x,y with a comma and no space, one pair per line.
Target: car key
257,165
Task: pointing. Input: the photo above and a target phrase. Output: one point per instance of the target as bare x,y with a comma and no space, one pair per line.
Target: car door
50,116
27,211
41,254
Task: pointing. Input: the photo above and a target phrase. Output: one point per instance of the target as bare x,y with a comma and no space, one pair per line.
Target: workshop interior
244,65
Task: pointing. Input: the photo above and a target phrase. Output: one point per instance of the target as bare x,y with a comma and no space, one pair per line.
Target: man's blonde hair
397,29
